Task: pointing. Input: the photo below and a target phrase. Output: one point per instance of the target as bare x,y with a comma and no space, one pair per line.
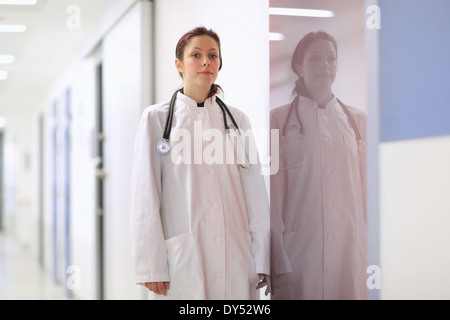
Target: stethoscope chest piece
163,147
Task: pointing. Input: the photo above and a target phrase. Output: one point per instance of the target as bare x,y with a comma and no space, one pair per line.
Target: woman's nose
206,61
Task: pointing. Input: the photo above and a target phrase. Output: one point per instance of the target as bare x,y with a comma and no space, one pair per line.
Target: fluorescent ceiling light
3,75
18,2
6,59
12,28
276,36
301,12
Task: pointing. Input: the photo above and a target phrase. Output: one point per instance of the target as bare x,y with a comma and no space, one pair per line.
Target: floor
21,277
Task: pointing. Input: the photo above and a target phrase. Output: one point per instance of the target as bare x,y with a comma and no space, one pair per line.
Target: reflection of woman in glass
199,228
318,195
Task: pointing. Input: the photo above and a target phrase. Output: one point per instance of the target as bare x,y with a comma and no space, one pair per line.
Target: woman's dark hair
199,31
299,55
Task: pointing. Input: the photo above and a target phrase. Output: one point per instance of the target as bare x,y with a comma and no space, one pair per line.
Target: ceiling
52,38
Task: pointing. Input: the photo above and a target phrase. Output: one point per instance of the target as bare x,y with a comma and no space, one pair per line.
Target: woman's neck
197,94
321,98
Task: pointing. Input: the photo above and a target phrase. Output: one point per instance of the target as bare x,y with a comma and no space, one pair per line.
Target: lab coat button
219,274
201,110
330,236
325,139
212,171
327,170
216,205
329,204
219,239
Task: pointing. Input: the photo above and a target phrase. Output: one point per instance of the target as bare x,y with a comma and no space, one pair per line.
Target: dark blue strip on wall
414,51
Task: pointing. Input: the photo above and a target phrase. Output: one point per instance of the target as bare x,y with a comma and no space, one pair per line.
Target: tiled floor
21,277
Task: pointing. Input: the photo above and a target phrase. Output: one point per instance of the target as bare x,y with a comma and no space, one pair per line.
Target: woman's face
200,63
318,69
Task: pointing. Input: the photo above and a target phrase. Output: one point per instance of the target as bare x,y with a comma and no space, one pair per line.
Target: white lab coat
202,227
318,222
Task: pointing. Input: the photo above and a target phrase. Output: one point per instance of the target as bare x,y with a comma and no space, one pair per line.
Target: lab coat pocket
291,151
185,275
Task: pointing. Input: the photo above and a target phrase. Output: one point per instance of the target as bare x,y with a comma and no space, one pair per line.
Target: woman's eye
213,56
195,55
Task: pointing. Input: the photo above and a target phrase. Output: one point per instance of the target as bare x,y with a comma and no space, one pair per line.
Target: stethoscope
163,146
359,140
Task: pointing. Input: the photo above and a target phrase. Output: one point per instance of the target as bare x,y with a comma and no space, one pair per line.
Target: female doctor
318,223
199,228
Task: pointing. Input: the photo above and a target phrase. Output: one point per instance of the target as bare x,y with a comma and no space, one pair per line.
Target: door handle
100,174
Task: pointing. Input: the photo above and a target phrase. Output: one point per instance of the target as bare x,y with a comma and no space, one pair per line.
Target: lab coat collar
191,103
310,102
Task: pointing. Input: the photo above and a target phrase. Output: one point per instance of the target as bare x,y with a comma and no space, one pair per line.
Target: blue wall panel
414,56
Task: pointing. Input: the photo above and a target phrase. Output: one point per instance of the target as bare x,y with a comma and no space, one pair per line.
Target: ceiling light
6,59
3,75
12,28
301,12
276,36
18,2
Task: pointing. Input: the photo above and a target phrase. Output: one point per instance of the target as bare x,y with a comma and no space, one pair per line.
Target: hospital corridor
77,78
21,276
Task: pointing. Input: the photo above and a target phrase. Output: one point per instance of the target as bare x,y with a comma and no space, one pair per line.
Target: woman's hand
158,287
264,280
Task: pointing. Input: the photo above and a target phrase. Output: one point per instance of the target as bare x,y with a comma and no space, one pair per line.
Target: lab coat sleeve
147,237
257,205
361,122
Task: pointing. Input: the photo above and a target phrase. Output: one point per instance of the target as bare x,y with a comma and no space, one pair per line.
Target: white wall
126,70
415,219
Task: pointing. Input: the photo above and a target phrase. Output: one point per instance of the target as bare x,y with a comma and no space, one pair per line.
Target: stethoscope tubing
222,105
164,146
